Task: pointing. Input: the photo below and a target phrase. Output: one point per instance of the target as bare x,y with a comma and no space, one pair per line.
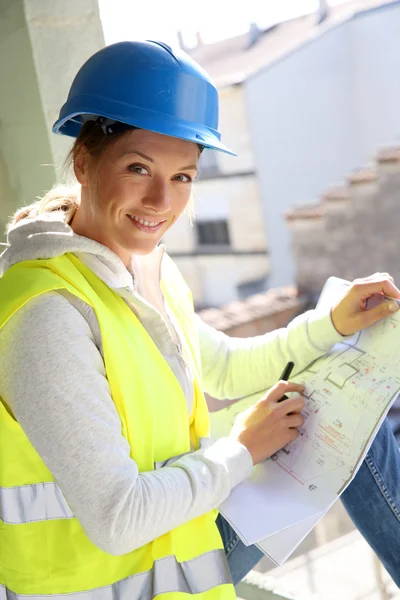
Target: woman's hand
269,425
351,313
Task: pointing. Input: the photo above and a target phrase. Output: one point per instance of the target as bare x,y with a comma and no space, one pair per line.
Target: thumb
369,317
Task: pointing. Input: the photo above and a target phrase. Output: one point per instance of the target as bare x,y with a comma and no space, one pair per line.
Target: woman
108,481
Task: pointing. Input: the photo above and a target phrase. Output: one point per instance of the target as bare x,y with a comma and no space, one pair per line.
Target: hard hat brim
71,123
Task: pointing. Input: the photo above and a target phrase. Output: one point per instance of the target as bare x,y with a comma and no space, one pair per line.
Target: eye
138,169
182,178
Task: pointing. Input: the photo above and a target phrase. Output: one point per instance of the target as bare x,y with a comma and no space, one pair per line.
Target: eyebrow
187,167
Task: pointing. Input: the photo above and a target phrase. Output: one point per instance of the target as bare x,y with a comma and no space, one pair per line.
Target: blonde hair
61,197
65,196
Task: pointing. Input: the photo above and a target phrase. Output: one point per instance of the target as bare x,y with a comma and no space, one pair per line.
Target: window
213,233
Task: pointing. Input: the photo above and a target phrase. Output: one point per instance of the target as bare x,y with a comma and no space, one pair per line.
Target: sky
214,19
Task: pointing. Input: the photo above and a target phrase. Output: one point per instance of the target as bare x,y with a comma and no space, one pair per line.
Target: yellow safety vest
43,548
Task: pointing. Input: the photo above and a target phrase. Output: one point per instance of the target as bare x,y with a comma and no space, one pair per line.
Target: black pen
287,371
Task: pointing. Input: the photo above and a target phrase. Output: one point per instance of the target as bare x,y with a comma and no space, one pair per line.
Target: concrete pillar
63,34
42,45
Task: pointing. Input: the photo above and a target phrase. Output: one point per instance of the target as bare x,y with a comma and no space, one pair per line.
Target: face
142,186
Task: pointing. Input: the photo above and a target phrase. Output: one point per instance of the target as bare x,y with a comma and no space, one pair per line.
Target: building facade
223,253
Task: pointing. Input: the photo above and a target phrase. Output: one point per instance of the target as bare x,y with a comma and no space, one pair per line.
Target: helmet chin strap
110,126
107,125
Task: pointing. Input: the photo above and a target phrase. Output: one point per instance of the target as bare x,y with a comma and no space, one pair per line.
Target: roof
305,211
386,156
255,307
231,61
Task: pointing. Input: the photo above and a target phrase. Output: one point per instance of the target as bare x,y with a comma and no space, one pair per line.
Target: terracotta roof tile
305,211
363,175
231,61
389,155
255,307
336,194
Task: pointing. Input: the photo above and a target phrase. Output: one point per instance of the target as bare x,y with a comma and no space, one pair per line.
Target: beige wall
235,196
235,131
181,237
213,279
243,210
247,226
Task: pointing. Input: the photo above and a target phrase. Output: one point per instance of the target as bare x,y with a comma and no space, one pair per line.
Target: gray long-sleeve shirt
52,377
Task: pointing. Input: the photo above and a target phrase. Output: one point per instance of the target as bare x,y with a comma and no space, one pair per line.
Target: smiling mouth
145,225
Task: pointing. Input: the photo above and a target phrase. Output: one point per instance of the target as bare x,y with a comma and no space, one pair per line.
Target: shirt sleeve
63,403
237,367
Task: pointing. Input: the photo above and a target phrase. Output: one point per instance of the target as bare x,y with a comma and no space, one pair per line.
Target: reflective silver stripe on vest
36,502
191,577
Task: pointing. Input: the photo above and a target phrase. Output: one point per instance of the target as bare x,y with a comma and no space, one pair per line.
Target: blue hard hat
145,85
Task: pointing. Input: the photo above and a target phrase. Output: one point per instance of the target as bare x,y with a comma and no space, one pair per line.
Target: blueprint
347,395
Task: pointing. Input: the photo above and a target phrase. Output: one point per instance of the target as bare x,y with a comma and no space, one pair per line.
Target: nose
157,196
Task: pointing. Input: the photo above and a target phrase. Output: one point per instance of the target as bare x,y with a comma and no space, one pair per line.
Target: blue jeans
372,501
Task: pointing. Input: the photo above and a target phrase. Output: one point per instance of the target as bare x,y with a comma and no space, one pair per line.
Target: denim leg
241,558
373,500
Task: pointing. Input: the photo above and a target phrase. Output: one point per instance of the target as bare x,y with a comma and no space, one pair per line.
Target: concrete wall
24,139
42,45
63,36
320,112
353,232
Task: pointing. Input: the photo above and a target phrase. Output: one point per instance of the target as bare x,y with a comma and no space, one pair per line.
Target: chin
142,249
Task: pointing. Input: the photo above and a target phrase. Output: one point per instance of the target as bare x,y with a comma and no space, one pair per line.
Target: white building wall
376,60
320,112
304,131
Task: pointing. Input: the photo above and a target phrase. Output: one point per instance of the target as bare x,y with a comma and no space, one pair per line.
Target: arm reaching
237,367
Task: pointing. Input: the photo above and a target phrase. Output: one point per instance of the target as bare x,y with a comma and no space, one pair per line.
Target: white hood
49,236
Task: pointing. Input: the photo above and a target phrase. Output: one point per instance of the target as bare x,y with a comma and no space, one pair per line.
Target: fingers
380,283
278,393
295,421
281,388
376,276
292,405
369,317
293,434
361,308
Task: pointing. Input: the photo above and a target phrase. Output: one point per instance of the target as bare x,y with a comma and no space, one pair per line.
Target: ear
81,165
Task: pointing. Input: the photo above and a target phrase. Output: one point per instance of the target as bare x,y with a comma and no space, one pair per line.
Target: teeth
145,223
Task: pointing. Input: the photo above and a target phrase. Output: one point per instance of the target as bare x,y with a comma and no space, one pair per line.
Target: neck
82,225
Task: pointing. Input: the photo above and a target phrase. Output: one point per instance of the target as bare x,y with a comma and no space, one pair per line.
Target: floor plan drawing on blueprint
337,433
348,392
